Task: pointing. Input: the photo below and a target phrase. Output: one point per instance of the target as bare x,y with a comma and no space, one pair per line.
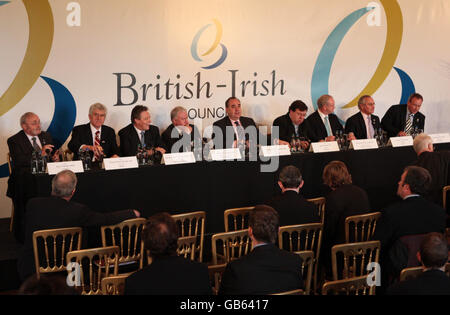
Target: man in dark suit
401,120
58,211
233,129
140,133
291,206
414,215
433,255
323,124
30,138
168,274
180,129
293,125
363,124
266,269
96,137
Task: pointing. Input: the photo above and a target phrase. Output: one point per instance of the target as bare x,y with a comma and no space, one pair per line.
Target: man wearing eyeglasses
364,124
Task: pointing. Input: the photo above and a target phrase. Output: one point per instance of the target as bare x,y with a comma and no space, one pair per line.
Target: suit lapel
89,139
362,125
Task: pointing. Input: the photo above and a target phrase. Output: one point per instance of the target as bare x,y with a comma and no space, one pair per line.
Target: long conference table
216,186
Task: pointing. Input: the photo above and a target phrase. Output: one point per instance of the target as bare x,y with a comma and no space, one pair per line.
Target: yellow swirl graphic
218,37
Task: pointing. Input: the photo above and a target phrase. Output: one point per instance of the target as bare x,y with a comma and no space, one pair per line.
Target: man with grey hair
95,137
180,129
59,211
291,206
363,124
437,163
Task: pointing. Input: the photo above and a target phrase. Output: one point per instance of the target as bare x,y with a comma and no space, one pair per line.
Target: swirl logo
321,74
194,46
41,30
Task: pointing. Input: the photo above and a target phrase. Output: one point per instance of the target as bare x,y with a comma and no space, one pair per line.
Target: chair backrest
237,218
192,224
413,272
114,285
360,228
320,202
350,286
215,276
292,292
187,247
8,158
351,260
307,267
51,246
127,235
444,196
92,265
233,245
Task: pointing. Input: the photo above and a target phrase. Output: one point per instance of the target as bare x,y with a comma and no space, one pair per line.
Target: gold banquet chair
360,228
351,286
237,218
192,224
187,247
127,235
302,237
91,266
51,246
215,276
232,245
320,202
11,224
413,272
445,190
292,292
114,285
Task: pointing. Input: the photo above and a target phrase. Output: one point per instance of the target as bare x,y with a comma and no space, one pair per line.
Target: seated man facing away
266,269
291,206
433,255
168,274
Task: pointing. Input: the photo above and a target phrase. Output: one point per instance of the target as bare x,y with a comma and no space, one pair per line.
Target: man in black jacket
58,211
363,124
266,269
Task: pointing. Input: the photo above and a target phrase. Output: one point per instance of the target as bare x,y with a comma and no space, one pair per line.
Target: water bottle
34,163
293,144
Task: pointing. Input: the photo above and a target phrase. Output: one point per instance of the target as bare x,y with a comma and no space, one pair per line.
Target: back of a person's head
422,142
264,221
335,174
290,177
46,285
64,183
418,179
434,250
161,235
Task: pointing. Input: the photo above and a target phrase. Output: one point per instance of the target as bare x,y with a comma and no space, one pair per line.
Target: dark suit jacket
83,135
394,120
265,270
225,122
129,139
168,141
54,213
357,125
20,148
431,282
172,275
287,129
294,209
317,128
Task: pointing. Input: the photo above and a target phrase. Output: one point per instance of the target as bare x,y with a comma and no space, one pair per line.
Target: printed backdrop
58,57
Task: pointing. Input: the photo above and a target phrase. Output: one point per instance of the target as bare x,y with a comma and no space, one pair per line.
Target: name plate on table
321,147
275,150
178,158
120,163
440,138
397,142
56,167
364,144
226,154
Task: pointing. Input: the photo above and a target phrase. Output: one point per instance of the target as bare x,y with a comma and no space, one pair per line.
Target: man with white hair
437,163
59,211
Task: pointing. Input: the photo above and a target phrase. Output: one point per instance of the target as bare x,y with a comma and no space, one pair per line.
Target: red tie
97,142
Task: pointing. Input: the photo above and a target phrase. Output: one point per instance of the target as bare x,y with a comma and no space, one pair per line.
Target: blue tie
142,138
327,126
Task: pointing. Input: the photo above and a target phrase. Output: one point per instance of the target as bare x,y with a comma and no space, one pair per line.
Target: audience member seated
46,285
292,208
344,200
168,274
140,132
266,269
433,255
413,215
59,211
437,163
97,138
363,124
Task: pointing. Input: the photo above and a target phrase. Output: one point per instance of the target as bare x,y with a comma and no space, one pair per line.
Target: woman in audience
344,200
